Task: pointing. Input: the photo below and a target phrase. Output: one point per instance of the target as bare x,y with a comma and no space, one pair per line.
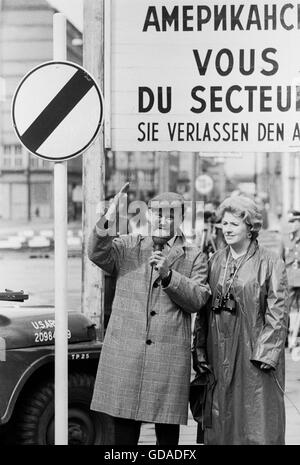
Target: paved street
188,433
35,276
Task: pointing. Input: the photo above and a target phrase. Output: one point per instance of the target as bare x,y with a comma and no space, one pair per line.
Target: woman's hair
244,208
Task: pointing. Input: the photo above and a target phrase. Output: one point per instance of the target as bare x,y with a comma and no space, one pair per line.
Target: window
2,89
39,164
13,157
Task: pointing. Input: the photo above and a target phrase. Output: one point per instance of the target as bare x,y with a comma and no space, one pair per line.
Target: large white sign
205,76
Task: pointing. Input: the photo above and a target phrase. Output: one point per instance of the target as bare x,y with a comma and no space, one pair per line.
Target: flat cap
166,198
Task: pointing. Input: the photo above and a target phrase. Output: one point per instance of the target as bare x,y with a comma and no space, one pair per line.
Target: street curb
31,239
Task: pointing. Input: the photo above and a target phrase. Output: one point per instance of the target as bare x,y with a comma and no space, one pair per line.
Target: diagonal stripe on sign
56,111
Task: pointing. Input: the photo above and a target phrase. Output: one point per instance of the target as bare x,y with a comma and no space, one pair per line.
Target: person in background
242,333
145,364
290,252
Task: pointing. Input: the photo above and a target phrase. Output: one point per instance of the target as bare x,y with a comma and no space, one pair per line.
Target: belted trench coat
247,404
145,364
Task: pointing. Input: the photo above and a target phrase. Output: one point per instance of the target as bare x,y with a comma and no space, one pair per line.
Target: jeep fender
21,364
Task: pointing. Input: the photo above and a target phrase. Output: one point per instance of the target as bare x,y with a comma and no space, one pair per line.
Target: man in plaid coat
145,364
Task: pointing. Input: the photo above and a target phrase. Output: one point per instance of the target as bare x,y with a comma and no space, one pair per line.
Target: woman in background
243,332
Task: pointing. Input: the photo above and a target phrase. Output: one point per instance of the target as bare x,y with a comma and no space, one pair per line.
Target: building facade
26,40
279,180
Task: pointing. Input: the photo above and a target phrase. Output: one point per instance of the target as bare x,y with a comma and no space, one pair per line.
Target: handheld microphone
159,242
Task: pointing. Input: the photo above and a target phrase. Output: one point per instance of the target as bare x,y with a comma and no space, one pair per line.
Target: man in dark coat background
145,365
290,252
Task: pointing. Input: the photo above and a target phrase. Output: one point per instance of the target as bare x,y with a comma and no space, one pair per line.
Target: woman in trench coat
242,333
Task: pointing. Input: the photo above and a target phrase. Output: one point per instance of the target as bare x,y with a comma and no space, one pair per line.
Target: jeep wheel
35,423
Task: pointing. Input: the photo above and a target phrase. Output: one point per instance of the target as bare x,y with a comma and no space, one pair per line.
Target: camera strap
235,271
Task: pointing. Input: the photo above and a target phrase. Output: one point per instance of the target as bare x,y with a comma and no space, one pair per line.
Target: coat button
149,342
152,313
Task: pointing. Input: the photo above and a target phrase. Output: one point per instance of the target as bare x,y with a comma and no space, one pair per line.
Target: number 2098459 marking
47,336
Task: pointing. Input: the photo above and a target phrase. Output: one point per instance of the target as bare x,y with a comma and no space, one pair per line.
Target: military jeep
27,377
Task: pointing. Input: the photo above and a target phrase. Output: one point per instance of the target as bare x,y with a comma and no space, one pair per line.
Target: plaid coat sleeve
190,293
105,250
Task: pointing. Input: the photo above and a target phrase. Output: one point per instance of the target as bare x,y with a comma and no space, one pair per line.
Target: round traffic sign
57,110
204,184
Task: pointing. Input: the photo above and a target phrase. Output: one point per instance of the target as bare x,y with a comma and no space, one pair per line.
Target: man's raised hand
109,215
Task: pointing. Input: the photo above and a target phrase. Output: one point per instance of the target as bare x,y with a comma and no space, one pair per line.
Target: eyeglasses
158,216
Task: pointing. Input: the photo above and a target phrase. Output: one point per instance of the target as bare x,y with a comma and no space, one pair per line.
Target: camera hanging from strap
225,300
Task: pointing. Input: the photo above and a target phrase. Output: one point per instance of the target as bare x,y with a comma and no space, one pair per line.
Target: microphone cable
158,245
148,298
283,392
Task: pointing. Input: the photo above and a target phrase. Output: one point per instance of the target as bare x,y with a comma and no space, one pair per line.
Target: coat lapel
176,252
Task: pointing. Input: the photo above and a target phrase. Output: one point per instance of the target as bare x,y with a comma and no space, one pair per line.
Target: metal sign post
60,257
57,112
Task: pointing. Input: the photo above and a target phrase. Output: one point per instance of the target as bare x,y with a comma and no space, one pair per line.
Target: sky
73,9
